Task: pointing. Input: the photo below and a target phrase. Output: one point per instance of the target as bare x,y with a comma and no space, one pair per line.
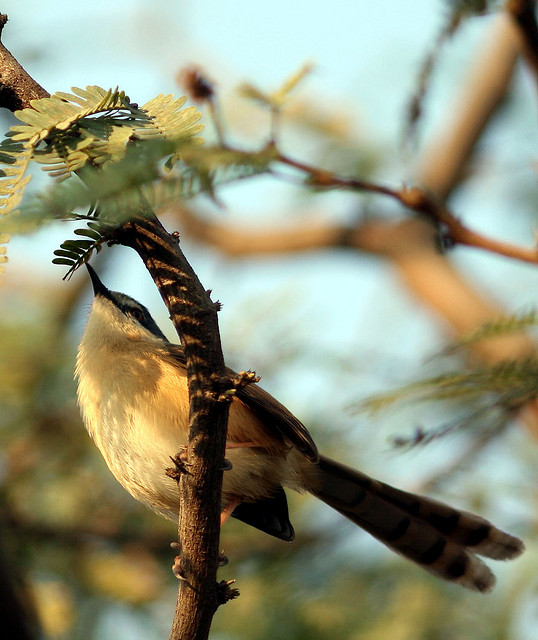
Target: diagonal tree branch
17,88
195,317
523,14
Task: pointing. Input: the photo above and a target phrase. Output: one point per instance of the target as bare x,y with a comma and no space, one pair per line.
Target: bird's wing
274,415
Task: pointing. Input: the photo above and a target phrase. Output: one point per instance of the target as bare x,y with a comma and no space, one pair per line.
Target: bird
133,395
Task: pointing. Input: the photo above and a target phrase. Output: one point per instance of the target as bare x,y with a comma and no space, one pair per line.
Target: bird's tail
442,540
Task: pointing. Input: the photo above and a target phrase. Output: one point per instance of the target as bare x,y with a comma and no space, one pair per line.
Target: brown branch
17,88
425,203
409,244
523,14
195,319
420,201
442,163
323,179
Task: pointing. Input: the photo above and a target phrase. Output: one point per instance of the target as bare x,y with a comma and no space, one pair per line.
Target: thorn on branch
444,239
244,378
321,178
419,436
415,199
222,388
180,465
225,593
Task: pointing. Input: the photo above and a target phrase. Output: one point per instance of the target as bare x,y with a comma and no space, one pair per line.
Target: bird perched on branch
132,390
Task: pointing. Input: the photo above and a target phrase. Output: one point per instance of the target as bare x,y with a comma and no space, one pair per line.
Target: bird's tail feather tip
442,540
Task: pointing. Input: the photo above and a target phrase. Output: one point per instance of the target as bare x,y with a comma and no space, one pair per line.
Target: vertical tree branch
195,318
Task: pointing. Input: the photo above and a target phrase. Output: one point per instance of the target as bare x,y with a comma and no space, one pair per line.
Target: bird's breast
137,411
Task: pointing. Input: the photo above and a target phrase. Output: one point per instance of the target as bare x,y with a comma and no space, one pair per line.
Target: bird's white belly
138,419
140,464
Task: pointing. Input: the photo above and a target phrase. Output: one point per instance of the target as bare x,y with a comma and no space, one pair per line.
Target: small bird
132,391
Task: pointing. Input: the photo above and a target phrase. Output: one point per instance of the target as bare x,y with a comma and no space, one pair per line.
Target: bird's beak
99,288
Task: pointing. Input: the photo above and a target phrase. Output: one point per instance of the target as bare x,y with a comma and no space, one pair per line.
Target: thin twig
421,202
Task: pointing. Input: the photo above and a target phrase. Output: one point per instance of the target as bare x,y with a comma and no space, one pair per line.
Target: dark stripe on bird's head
127,305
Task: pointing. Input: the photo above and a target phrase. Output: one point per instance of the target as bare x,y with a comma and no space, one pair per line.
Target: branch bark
17,87
195,317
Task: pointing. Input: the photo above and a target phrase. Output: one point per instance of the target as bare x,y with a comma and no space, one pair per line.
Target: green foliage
92,126
501,326
68,133
111,159
488,395
76,252
130,186
510,383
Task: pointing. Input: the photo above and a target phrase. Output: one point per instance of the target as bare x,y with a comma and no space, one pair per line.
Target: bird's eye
136,314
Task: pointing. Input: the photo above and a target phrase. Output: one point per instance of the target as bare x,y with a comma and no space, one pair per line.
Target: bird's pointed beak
98,287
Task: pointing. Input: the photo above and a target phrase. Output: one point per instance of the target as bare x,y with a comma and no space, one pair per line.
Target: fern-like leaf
74,253
499,327
62,110
16,157
168,119
511,383
68,132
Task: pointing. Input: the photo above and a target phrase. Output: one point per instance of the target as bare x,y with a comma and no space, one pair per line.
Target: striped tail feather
439,538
